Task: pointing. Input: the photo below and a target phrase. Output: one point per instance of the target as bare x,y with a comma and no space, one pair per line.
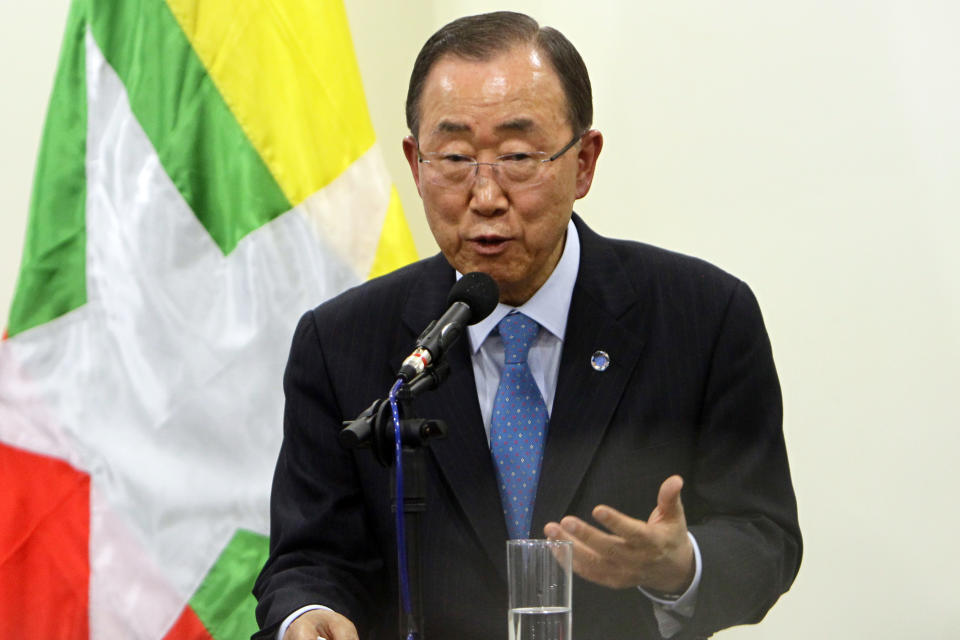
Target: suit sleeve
741,492
320,551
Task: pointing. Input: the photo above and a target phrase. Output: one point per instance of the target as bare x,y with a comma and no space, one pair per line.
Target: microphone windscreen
478,291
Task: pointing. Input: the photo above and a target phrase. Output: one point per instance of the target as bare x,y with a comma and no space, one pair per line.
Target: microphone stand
374,429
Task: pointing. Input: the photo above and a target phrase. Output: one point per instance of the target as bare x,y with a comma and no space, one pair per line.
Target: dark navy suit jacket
691,389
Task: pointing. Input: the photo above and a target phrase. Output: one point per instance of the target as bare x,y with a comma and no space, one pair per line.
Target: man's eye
516,157
456,158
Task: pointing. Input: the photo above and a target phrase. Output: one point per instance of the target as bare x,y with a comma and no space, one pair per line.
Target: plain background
811,148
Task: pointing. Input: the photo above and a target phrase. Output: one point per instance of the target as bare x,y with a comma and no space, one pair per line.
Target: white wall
811,148
30,37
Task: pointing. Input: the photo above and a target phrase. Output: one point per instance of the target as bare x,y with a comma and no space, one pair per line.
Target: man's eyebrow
521,125
517,124
449,126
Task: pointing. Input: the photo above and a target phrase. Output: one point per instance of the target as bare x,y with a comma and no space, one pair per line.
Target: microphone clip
373,429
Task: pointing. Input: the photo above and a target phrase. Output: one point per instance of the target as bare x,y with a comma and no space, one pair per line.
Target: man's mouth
490,240
489,243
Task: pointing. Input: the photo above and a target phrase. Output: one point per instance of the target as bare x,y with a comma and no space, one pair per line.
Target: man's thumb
668,499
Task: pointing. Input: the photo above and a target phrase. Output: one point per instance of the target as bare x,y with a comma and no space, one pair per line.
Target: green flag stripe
200,143
223,602
52,278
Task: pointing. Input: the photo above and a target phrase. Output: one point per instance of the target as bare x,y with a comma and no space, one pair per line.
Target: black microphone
471,300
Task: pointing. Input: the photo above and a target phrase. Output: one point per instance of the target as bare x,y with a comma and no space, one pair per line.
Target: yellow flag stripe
288,72
396,247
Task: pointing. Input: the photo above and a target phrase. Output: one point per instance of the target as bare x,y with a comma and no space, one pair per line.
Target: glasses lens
519,168
453,170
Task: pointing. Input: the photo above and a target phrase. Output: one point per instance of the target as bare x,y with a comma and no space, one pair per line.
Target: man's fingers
587,561
576,531
619,523
630,552
342,629
605,560
588,535
668,498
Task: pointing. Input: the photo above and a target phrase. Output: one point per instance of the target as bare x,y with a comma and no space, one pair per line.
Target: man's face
510,104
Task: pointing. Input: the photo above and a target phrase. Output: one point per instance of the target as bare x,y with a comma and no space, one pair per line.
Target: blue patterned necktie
518,426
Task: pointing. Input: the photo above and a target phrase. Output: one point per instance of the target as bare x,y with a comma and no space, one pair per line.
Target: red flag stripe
44,547
188,627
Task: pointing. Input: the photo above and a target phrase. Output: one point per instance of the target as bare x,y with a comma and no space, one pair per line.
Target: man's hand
321,623
656,554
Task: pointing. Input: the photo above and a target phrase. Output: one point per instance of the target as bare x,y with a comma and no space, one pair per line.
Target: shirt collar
549,306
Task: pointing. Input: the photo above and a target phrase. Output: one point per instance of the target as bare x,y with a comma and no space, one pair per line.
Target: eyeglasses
457,170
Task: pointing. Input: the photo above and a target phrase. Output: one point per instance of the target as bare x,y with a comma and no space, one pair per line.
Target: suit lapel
464,455
586,398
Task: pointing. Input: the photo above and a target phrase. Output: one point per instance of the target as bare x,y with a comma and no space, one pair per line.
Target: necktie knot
518,333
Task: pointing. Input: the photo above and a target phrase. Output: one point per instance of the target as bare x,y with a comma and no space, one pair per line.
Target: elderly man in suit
651,373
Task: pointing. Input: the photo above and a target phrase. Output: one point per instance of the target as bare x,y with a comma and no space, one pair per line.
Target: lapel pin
600,360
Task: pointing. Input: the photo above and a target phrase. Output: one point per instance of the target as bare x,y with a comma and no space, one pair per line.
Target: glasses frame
424,158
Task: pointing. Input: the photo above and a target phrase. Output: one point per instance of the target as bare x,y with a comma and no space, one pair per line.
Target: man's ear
411,151
590,146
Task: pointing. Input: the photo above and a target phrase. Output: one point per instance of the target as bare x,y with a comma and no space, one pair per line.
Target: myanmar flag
208,172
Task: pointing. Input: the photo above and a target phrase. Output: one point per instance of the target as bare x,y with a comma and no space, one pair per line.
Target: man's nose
487,197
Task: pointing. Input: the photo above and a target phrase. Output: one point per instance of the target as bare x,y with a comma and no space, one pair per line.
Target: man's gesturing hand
321,623
656,554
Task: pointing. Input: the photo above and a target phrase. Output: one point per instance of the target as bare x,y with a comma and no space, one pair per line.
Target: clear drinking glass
540,581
